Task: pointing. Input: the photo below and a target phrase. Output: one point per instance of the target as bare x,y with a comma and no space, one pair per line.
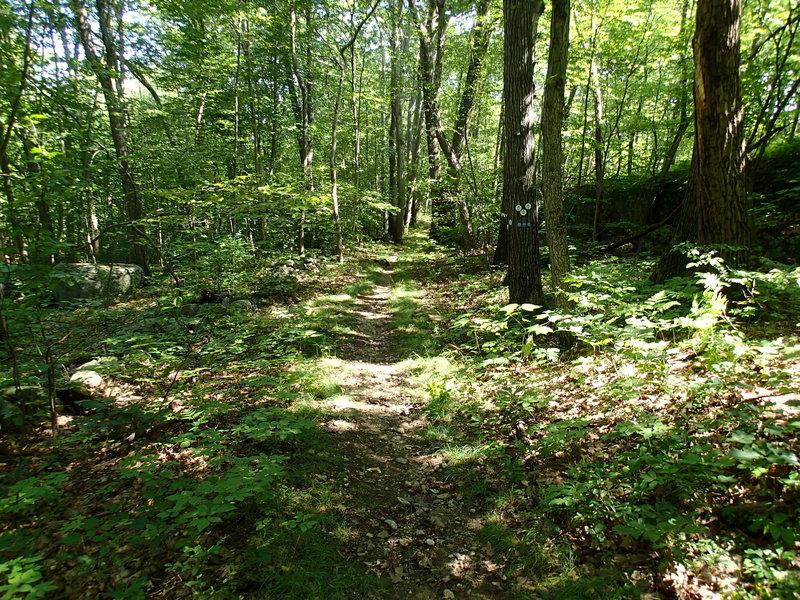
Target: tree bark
719,129
397,153
431,51
524,275
334,172
599,161
501,253
300,95
552,149
716,209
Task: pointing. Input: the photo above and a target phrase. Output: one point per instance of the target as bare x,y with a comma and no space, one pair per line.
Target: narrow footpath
409,522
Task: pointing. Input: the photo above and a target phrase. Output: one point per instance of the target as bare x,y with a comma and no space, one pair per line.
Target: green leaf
742,437
746,454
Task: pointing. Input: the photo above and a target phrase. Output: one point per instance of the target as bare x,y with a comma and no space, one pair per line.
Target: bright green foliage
628,431
23,577
229,461
645,430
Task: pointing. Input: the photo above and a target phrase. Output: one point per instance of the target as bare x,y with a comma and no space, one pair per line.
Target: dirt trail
407,521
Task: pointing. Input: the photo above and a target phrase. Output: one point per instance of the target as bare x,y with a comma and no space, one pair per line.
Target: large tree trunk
501,253
524,275
397,153
716,211
720,196
552,149
107,71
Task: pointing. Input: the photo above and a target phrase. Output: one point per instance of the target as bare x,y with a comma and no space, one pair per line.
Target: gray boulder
240,306
88,379
26,395
190,310
86,281
284,270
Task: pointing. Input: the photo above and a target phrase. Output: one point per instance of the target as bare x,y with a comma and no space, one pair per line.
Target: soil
408,521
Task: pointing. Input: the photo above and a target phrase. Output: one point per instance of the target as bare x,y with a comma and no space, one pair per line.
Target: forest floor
394,431
409,518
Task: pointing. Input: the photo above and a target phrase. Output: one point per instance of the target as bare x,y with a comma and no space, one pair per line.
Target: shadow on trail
404,514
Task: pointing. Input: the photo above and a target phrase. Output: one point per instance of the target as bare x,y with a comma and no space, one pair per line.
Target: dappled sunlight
398,490
352,442
341,425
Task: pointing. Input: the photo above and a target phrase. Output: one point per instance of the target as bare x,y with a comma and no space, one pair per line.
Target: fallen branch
641,234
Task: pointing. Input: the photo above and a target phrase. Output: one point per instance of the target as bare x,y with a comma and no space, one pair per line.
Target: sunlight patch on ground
340,425
334,298
346,403
427,366
457,455
371,316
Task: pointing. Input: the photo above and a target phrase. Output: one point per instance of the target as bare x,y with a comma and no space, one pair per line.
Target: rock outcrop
86,281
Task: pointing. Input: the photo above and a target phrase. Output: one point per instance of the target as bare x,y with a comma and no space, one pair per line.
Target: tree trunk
300,94
397,154
431,50
524,275
337,219
481,35
255,121
599,161
552,149
501,253
107,72
6,130
716,211
723,216
682,110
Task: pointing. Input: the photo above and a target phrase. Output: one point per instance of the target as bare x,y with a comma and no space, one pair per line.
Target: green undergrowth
415,332
647,437
642,442
198,475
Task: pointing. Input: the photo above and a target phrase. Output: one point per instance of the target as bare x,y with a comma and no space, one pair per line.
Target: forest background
610,195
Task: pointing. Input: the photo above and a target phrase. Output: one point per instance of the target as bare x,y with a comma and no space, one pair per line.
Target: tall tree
6,132
719,188
524,273
552,148
301,93
716,210
503,249
397,137
106,64
431,29
454,150
339,60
